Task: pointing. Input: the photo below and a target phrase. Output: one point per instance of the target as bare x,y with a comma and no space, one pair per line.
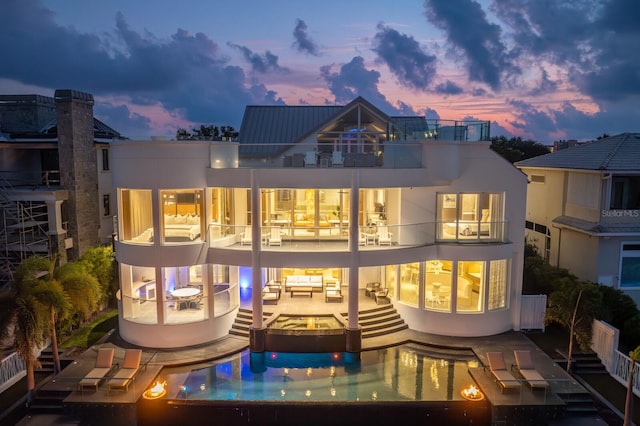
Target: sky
543,70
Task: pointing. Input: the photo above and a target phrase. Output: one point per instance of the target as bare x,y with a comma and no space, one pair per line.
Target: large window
470,286
625,193
498,280
438,285
390,279
630,265
465,217
138,292
136,216
304,213
409,283
222,212
184,294
183,215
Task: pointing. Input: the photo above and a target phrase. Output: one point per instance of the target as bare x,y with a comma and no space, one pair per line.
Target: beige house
583,210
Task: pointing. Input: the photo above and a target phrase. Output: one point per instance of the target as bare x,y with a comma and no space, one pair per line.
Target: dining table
184,295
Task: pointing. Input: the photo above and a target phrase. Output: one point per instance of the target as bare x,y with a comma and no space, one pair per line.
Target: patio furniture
275,239
382,296
500,373
527,369
245,237
384,236
333,294
102,367
125,376
371,288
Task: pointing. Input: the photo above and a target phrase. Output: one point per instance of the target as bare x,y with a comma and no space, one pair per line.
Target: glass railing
225,298
464,231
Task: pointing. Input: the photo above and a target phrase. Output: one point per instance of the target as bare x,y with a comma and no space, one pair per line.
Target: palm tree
24,325
64,291
628,403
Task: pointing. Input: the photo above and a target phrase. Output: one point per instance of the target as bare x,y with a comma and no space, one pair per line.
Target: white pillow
169,219
193,220
181,219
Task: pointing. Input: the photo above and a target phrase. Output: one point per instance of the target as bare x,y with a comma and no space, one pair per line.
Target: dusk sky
541,69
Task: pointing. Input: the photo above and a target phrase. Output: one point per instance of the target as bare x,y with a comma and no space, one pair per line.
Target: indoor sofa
313,281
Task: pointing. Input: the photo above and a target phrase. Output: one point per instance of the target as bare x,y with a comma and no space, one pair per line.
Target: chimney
78,168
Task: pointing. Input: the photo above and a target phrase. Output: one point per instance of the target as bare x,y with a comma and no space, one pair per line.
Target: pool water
409,372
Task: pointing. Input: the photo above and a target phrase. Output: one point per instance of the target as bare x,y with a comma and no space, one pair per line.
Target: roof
50,130
615,153
269,130
597,228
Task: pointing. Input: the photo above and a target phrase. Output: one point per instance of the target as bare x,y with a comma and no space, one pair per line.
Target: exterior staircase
379,321
374,322
578,404
583,363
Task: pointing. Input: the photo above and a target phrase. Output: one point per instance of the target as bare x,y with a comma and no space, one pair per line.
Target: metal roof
615,153
597,229
270,128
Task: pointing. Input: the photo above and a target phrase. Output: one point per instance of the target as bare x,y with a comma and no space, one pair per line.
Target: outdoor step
382,332
383,325
379,319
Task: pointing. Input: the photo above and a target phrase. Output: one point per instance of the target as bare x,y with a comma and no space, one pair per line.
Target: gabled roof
270,130
615,153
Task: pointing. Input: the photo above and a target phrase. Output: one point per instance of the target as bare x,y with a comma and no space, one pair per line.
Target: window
185,294
183,218
630,265
105,159
625,193
138,294
136,212
438,284
537,178
106,205
498,279
470,286
409,283
470,217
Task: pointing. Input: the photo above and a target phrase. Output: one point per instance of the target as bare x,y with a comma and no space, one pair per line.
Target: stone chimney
78,169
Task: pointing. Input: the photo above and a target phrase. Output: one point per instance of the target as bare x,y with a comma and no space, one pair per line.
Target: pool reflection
409,372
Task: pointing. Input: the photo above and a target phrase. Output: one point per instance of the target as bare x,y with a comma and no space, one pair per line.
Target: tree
628,403
100,262
63,291
207,133
24,325
516,149
574,305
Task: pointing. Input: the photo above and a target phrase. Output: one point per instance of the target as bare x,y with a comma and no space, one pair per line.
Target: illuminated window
470,217
438,285
498,279
136,216
470,286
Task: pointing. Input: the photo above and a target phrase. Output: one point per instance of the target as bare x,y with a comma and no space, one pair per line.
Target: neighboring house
55,181
312,197
583,210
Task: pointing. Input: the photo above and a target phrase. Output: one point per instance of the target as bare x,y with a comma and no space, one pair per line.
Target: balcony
285,237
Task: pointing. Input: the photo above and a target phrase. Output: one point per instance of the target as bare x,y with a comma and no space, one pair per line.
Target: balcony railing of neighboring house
12,369
31,179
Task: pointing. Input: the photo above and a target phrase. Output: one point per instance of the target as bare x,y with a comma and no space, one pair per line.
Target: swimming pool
409,372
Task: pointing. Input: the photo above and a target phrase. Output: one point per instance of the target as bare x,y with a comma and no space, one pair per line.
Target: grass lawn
93,331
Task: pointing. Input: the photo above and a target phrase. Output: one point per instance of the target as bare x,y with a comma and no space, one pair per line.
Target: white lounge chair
310,159
500,373
102,367
127,373
336,159
527,369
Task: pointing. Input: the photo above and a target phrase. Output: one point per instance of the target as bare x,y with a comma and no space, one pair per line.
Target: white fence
604,342
532,312
12,369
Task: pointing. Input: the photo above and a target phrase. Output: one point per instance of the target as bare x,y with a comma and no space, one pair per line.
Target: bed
182,226
466,228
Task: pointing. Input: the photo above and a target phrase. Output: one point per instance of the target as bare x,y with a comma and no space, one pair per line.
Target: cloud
354,80
469,31
130,124
545,85
448,88
185,72
404,57
302,41
261,64
591,39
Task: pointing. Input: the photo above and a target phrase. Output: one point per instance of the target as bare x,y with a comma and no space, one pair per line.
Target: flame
156,391
472,393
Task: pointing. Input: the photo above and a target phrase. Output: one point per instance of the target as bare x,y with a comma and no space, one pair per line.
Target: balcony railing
337,237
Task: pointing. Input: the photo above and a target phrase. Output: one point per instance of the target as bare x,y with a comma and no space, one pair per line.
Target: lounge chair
102,367
527,369
384,236
500,372
275,239
382,296
245,236
127,373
